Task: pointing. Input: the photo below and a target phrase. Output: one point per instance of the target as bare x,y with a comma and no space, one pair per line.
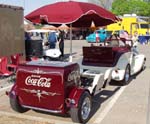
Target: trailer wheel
126,79
16,106
143,65
82,113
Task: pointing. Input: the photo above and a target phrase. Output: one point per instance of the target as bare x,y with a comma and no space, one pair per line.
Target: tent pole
70,57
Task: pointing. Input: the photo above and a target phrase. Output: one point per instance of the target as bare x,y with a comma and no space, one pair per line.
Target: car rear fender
74,96
123,61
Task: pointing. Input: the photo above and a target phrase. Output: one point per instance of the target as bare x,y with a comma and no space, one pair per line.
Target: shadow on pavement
100,98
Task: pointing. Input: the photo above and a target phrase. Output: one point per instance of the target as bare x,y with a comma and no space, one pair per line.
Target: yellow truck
130,23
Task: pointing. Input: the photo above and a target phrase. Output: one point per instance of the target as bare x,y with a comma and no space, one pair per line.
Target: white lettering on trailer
74,76
40,82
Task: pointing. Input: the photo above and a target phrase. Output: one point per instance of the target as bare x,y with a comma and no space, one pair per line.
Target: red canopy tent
73,14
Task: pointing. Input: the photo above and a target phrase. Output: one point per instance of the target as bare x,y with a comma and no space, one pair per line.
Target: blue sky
30,5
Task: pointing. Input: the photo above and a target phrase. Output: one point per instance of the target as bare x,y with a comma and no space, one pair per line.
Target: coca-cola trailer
56,87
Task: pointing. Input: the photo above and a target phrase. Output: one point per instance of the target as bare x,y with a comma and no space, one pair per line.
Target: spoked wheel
82,113
126,79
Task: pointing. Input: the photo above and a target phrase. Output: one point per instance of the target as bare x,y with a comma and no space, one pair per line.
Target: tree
120,7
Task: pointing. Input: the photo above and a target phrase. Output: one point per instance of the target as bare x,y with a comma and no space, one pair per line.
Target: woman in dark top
61,42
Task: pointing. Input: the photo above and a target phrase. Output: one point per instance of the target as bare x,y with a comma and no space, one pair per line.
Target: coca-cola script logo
38,81
74,76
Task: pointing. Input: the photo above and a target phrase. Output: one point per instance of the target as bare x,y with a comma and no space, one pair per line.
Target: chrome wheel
86,108
126,79
127,74
81,114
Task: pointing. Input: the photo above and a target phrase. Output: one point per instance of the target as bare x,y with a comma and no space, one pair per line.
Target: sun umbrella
73,14
79,14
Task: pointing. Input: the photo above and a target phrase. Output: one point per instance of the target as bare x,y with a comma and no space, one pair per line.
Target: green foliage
120,7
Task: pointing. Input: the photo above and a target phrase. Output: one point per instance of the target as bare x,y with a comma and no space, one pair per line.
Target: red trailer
52,87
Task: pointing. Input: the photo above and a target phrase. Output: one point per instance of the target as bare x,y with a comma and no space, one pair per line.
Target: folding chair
3,67
15,60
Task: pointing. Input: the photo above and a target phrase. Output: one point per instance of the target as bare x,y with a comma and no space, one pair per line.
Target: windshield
109,33
145,26
101,31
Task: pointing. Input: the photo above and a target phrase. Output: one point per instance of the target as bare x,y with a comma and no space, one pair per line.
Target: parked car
129,62
102,34
117,54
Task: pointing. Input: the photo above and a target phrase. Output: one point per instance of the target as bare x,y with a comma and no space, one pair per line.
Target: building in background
11,30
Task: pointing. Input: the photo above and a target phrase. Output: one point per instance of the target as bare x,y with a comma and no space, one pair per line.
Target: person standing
135,38
28,40
52,39
61,42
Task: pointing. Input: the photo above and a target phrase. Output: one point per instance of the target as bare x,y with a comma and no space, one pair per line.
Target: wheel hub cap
86,108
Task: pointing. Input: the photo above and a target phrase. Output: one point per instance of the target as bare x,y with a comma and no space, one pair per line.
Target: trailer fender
12,93
74,96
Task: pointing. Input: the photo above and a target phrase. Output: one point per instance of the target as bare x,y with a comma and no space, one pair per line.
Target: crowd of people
135,37
53,39
49,40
